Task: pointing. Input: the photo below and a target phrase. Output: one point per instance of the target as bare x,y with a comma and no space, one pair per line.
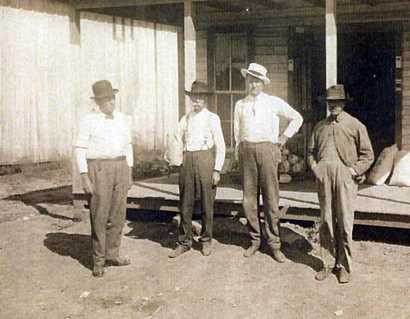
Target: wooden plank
331,43
189,48
181,74
368,2
268,4
385,205
316,3
75,35
360,13
94,4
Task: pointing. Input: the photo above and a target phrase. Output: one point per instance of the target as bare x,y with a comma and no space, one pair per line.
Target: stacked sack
291,165
391,163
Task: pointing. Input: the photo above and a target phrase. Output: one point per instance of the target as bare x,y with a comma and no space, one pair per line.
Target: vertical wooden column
75,35
189,48
331,43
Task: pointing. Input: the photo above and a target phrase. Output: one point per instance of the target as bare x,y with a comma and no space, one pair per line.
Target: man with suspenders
204,153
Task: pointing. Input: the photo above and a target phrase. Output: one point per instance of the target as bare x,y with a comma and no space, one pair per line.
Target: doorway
366,66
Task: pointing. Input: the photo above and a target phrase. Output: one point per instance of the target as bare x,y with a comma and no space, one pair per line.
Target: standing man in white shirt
204,153
258,144
104,155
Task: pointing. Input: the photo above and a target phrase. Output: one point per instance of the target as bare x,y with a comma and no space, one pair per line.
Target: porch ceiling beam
270,4
367,12
224,5
95,4
368,2
317,3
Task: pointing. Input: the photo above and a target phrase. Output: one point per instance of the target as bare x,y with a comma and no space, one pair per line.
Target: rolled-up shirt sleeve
219,143
293,116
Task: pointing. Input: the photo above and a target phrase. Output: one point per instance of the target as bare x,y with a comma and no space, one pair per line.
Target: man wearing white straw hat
258,144
204,154
104,155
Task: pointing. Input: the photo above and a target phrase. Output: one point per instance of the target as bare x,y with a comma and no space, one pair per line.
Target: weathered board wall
271,50
405,111
45,77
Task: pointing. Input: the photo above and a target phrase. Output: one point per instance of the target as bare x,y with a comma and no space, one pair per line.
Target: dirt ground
45,264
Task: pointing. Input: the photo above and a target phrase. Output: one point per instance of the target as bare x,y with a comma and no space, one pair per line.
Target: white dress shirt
202,131
101,137
256,119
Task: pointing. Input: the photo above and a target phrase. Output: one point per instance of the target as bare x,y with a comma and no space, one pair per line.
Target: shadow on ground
159,227
155,226
56,195
76,246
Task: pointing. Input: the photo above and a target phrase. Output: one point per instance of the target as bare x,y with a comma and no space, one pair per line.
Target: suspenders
204,146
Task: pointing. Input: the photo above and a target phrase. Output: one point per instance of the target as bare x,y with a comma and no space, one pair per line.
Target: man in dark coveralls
339,154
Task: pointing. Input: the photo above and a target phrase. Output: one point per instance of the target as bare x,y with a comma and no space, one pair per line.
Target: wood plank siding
48,63
405,111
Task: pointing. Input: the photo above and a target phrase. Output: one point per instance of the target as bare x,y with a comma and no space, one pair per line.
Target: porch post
331,43
189,48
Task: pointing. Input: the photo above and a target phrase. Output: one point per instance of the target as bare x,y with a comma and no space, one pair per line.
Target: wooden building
53,50
51,53
306,45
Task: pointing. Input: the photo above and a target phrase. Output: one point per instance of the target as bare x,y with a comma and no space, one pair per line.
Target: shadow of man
76,246
298,249
155,226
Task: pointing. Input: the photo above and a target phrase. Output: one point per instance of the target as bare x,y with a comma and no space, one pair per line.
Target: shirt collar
203,111
104,116
259,97
339,118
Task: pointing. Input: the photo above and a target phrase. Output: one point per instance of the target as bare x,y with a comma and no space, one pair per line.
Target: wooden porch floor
376,205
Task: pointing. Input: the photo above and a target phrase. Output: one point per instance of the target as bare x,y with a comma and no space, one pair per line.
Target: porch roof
220,12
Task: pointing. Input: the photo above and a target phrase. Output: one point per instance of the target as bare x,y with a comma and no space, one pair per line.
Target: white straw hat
257,71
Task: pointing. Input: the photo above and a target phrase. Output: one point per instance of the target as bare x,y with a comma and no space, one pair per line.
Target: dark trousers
337,195
195,183
107,207
259,164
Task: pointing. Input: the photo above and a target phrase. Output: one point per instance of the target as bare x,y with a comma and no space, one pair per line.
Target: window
230,56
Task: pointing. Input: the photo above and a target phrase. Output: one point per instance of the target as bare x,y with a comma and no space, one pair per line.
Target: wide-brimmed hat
337,93
256,70
198,88
103,89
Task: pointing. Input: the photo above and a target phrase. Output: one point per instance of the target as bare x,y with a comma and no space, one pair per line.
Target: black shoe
251,250
120,261
206,248
178,251
98,271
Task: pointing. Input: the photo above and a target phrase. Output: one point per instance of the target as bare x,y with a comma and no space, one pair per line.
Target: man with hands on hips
258,146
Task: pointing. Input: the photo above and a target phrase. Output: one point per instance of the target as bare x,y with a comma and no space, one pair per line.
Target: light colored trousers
107,207
259,163
337,196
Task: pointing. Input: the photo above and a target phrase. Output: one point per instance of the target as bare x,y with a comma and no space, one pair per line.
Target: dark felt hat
198,88
336,93
103,89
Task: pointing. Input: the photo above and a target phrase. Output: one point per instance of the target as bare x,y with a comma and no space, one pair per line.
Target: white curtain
45,81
